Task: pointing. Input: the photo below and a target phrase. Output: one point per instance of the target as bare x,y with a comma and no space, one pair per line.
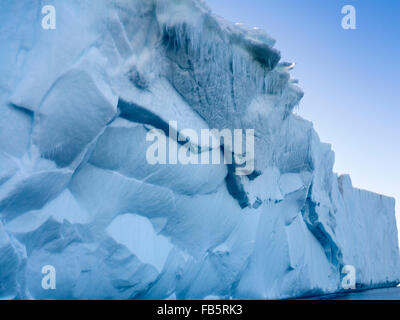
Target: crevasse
77,193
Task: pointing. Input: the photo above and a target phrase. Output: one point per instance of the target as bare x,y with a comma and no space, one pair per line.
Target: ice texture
77,193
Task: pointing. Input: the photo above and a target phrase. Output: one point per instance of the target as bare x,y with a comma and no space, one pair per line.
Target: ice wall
77,193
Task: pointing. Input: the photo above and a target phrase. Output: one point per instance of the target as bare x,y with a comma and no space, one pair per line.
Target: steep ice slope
77,193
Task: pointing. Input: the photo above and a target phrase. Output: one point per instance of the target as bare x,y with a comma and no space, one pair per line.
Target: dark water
373,294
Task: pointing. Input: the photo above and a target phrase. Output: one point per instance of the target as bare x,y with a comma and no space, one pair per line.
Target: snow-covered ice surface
77,193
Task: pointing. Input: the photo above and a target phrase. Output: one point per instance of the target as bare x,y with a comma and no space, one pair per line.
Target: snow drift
77,193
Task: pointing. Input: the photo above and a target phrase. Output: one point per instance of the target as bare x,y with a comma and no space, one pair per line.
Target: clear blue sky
350,77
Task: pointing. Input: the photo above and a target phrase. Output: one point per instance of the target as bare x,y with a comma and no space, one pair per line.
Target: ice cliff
77,193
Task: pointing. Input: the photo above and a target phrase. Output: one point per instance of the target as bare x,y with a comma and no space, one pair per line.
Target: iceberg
78,194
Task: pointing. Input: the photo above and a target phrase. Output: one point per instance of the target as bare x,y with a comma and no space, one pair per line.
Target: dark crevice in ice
235,187
311,218
135,113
